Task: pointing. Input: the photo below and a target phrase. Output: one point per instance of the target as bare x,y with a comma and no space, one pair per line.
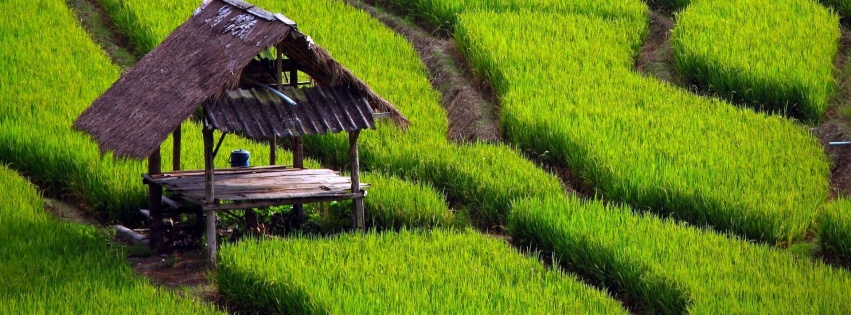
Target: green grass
53,267
406,273
780,60
637,140
395,203
443,14
835,231
674,270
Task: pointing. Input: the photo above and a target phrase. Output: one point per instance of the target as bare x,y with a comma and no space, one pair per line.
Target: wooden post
273,151
279,73
298,162
175,162
294,75
357,203
209,196
297,148
155,202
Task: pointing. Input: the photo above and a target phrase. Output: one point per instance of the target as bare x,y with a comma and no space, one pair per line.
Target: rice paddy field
693,200
780,62
703,160
405,273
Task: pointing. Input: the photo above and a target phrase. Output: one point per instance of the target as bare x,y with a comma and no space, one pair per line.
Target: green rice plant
484,178
443,14
674,269
568,89
53,267
780,60
835,231
395,203
435,272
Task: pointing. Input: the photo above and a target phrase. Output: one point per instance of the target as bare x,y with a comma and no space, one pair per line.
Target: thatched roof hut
223,60
200,61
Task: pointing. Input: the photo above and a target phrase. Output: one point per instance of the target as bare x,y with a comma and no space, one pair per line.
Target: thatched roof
202,59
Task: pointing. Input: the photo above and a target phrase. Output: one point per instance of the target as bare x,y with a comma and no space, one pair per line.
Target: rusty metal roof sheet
261,114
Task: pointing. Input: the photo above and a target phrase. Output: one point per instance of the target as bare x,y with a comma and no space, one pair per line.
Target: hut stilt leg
357,203
176,142
273,151
209,201
155,201
298,162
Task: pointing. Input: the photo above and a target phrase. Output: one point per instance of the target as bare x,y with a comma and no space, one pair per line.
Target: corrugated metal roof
261,114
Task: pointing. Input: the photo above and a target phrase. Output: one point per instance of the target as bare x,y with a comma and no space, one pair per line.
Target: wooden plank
265,181
171,203
225,171
271,203
227,177
247,170
271,186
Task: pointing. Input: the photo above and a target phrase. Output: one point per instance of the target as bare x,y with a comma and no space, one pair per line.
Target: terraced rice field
779,62
410,272
694,198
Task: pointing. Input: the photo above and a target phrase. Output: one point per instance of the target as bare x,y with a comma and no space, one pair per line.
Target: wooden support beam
155,195
298,162
270,203
294,77
357,203
298,152
176,141
273,151
209,197
279,73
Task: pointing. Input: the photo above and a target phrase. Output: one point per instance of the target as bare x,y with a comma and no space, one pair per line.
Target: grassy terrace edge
52,267
677,270
834,234
779,61
408,272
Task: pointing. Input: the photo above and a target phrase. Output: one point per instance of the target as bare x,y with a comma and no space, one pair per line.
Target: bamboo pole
357,203
209,196
155,202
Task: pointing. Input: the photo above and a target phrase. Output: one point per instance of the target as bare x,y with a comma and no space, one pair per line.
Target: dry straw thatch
202,59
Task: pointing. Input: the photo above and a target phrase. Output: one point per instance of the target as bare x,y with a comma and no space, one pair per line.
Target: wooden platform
254,187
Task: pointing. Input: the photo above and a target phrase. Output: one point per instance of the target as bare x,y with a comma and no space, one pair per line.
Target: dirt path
470,104
656,58
103,31
836,124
